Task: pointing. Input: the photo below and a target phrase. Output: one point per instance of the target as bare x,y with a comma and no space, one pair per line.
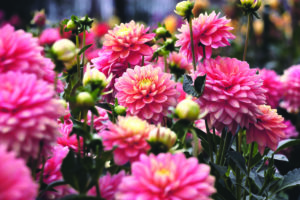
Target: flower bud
161,32
187,109
251,5
120,110
39,18
256,5
163,135
94,77
64,49
71,25
84,100
184,8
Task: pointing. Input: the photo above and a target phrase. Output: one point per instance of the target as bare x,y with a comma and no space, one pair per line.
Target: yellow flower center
163,172
134,125
123,31
145,83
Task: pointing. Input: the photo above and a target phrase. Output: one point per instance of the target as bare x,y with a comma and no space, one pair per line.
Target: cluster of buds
250,6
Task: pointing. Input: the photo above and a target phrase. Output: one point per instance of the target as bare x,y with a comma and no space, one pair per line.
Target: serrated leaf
200,84
238,159
188,86
287,143
291,179
84,49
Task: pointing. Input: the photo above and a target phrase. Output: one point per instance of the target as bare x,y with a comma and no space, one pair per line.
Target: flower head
268,130
129,136
290,130
232,93
147,92
39,18
49,36
28,114
209,31
16,183
167,176
291,87
127,42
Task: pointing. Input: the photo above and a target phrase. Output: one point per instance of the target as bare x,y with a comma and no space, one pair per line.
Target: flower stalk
247,37
192,42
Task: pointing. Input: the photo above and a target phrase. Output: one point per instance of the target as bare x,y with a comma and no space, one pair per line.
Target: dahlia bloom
129,135
147,92
52,173
208,30
16,183
290,130
100,29
108,185
272,85
231,95
127,43
99,121
268,130
291,88
165,177
49,36
28,114
179,88
179,62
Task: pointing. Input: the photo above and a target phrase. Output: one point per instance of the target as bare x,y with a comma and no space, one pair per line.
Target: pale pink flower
108,185
177,62
291,89
49,36
268,131
210,31
290,130
231,95
16,182
147,92
127,42
28,114
273,86
165,177
129,135
179,88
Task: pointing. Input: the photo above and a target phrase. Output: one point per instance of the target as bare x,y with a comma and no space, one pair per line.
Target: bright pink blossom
49,36
129,136
209,31
268,131
231,95
290,130
147,92
16,182
166,177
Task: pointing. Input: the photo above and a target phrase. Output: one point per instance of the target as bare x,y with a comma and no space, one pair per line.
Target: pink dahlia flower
179,62
129,135
268,130
127,42
179,88
52,173
147,92
291,88
16,183
200,124
28,114
99,121
290,130
108,185
49,36
232,93
165,177
273,86
209,31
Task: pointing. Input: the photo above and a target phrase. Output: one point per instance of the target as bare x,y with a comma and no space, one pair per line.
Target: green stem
83,45
192,43
98,190
222,143
238,173
248,171
204,53
225,147
166,63
247,37
92,125
143,60
55,81
196,143
210,145
78,60
79,148
42,171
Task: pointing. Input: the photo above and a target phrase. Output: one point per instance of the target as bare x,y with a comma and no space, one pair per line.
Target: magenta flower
209,31
147,92
231,95
291,88
49,36
290,130
16,183
108,185
127,42
268,130
99,121
129,135
28,114
273,86
165,177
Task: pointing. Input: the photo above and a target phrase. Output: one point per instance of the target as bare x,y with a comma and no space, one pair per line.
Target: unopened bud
120,110
161,32
71,25
39,18
94,77
84,100
64,49
187,109
251,5
163,135
184,8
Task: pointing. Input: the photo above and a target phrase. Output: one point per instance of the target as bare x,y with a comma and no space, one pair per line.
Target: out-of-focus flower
231,95
268,130
99,121
153,177
184,9
100,29
108,185
209,31
200,6
147,92
178,64
64,49
129,136
171,23
49,36
39,18
179,88
28,114
258,26
127,42
163,135
290,130
291,89
16,183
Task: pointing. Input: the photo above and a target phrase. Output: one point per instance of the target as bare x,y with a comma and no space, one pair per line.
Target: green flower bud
65,50
163,135
94,77
161,32
184,9
120,110
256,5
71,25
84,100
251,5
187,109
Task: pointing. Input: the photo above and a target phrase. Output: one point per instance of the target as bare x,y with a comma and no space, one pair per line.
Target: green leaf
188,86
238,160
181,127
79,197
221,170
200,84
291,179
287,143
51,186
84,49
105,106
281,157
